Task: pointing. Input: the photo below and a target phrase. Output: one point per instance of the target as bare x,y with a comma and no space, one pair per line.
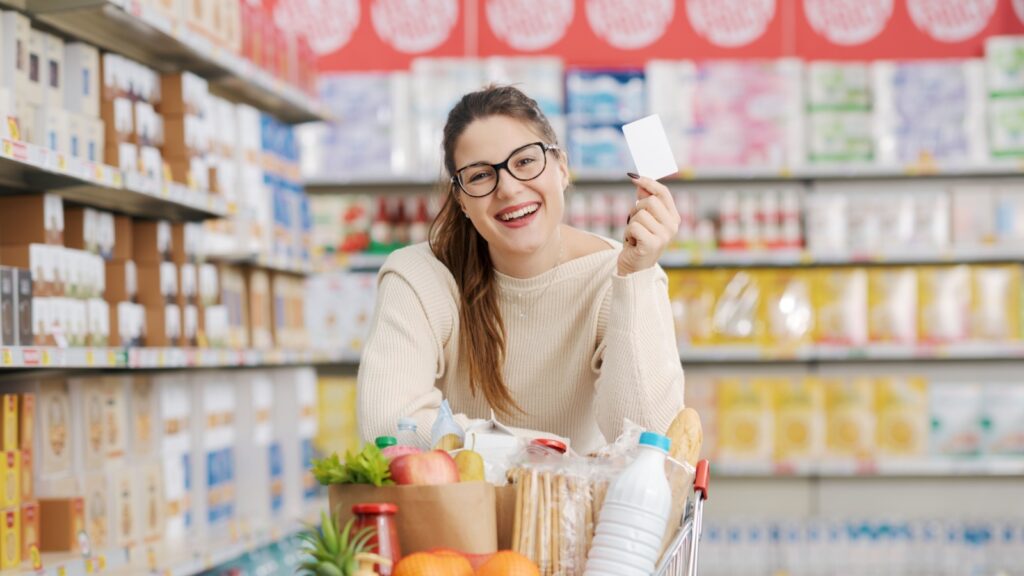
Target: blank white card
649,147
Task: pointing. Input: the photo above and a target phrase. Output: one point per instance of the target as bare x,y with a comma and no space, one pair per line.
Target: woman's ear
563,167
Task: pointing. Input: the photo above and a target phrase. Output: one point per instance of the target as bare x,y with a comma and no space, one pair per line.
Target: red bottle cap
552,444
374,508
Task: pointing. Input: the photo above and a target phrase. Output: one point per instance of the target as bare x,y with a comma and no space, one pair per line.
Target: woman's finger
661,213
639,235
649,223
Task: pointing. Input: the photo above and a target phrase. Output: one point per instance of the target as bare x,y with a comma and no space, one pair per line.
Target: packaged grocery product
892,305
446,433
841,306
736,318
1004,65
1003,418
798,418
901,412
692,295
838,85
995,302
744,419
788,308
956,418
849,417
944,295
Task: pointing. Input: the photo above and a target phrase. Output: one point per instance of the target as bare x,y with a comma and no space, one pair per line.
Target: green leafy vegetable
368,466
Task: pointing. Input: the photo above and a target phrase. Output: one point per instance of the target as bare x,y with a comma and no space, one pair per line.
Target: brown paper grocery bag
505,510
457,516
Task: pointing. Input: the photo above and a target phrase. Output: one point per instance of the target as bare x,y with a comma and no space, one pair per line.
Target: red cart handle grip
700,480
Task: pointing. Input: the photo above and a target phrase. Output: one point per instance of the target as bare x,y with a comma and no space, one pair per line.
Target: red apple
425,469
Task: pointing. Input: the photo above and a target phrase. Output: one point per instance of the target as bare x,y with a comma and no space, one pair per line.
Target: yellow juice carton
10,538
901,412
788,307
10,479
944,300
849,418
840,306
799,409
744,419
9,416
995,302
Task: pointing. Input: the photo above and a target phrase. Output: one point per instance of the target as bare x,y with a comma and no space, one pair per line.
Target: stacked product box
437,84
260,461
929,112
187,254
158,282
838,113
337,425
215,471
1004,77
598,103
188,114
130,93
288,303
234,296
290,223
174,396
295,415
339,309
14,74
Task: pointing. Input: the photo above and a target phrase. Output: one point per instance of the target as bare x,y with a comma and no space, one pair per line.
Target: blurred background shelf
971,351
28,167
944,468
161,358
133,29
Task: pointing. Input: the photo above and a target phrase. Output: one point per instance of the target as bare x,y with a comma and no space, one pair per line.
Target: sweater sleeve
403,356
640,376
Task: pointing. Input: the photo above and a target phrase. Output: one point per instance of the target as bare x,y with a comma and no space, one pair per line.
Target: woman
509,310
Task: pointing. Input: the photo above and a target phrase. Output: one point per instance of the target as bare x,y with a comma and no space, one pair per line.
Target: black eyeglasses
524,164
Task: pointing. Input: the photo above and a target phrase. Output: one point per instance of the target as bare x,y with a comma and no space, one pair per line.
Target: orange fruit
446,563
508,563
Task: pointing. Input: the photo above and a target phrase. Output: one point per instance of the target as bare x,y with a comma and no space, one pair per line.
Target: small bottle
384,542
385,442
407,435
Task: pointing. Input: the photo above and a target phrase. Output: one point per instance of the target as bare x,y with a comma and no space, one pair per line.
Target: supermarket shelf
25,166
62,564
134,29
160,358
973,351
721,175
966,467
264,261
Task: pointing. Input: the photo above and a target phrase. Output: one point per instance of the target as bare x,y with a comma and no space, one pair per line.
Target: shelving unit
134,29
28,167
933,468
33,357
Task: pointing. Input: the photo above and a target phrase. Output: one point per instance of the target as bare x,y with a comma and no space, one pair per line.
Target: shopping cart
680,559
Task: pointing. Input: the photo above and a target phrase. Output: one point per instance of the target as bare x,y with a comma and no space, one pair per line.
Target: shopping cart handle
700,480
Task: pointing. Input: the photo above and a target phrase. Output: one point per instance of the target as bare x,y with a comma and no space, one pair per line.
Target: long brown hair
456,243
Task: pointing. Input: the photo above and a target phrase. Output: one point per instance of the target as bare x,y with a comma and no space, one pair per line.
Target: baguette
686,435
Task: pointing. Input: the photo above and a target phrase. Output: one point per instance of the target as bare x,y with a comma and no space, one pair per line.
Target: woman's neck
546,258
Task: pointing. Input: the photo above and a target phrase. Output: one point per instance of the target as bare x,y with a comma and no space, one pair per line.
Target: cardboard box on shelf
193,172
10,538
186,241
122,155
182,93
53,71
38,260
158,283
10,478
81,229
8,308
27,115
14,34
189,326
189,284
235,299
257,283
82,79
209,284
163,325
127,324
31,219
29,530
151,241
121,280
60,522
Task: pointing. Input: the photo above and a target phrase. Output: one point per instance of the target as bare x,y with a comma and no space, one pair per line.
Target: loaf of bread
686,435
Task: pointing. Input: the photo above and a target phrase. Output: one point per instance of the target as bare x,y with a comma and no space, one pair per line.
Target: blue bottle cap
656,440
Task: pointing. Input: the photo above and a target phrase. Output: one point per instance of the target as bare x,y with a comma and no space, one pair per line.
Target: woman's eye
524,161
478,177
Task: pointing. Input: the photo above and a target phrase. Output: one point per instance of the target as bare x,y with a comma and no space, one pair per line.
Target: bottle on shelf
635,515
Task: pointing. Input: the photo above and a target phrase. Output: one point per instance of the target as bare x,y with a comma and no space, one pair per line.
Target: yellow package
849,417
744,419
692,294
10,538
788,311
337,429
10,479
944,301
737,315
798,419
995,302
892,305
840,306
901,413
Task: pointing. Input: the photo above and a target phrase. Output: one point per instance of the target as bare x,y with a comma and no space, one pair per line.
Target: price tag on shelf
8,148
90,358
89,568
101,562
111,358
46,357
35,557
62,571
160,360
8,357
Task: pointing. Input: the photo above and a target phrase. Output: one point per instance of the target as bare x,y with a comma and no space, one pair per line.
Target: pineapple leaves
332,552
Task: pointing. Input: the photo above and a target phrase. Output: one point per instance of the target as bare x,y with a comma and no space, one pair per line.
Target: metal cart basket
681,557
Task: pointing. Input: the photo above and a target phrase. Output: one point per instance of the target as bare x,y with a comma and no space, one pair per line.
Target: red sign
353,35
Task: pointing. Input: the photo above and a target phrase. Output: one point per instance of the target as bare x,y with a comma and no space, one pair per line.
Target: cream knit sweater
585,348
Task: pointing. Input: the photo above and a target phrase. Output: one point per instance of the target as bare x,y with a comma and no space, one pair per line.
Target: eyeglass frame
457,179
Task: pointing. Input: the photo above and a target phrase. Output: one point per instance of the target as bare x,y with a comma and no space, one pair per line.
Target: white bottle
635,515
407,435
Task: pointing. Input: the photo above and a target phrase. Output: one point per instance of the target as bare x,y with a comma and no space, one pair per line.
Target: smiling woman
507,310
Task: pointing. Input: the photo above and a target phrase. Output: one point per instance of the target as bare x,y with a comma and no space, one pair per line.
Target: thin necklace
534,300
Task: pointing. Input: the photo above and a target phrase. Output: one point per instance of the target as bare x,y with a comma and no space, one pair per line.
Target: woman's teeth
519,213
